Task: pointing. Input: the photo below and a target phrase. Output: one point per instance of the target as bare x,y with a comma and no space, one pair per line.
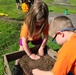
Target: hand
41,51
34,56
41,72
36,72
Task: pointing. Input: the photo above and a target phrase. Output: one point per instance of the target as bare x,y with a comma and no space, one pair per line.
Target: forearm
44,42
46,72
28,51
25,46
41,72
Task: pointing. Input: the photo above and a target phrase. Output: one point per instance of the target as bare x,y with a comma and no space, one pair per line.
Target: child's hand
37,72
41,72
34,56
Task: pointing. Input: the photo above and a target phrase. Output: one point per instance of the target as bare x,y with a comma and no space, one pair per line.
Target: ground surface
5,18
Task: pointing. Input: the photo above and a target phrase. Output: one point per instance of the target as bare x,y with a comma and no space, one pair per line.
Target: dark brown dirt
44,63
6,19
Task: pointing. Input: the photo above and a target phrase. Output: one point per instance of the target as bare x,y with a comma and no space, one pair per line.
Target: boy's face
59,37
63,35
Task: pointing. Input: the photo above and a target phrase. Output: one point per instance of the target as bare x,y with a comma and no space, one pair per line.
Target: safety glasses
65,29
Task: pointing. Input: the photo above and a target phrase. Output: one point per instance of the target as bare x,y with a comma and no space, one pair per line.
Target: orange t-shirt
25,7
25,33
66,59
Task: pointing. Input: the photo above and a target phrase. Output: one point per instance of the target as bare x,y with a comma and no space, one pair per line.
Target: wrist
29,54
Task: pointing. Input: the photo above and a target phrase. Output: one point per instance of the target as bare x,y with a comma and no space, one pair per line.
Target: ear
61,33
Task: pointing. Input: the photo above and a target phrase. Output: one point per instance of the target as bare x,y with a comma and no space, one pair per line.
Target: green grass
61,9
9,7
73,2
10,29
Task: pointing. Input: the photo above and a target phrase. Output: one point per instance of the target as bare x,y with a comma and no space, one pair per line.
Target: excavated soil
44,63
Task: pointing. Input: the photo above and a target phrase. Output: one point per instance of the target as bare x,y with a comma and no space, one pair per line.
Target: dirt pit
44,63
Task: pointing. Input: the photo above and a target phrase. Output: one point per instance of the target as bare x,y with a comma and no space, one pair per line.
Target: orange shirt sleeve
24,31
45,32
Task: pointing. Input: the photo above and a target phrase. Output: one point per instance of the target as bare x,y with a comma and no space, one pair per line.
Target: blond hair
58,23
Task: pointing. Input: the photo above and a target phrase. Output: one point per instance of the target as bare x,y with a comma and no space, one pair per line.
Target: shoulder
24,27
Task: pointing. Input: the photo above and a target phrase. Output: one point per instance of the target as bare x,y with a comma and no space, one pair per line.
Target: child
25,6
64,35
36,23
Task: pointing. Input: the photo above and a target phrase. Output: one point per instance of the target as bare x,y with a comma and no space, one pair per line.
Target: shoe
17,70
